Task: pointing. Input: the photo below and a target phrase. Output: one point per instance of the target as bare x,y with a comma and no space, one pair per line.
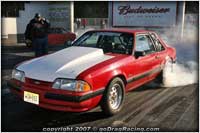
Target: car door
61,33
66,36
161,50
56,37
145,65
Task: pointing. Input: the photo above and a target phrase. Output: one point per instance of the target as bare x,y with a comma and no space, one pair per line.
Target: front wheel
68,43
28,43
113,97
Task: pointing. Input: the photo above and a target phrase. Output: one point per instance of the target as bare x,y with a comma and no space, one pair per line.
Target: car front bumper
59,100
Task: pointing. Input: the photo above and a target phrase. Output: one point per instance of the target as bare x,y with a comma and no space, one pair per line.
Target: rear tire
113,97
168,67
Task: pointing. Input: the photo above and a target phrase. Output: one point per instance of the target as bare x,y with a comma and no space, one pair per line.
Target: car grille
37,83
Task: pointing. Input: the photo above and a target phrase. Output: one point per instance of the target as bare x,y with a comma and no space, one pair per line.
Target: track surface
169,109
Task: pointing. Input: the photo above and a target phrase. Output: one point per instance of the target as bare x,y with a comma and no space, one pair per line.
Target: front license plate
31,97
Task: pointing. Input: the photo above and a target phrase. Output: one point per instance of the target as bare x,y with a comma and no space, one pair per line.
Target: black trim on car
11,85
143,75
71,98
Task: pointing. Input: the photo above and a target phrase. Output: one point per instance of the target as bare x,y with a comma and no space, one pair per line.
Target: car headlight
71,85
18,75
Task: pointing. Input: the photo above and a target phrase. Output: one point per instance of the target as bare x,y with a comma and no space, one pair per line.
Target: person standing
103,24
37,32
84,22
78,22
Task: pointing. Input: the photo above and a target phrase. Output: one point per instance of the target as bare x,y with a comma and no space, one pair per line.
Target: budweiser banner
149,14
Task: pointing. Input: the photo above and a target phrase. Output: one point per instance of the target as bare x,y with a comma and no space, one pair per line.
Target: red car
57,36
97,69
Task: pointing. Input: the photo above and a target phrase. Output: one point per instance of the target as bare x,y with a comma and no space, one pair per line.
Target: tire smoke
185,70
180,74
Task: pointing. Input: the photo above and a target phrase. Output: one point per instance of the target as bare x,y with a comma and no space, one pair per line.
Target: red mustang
98,68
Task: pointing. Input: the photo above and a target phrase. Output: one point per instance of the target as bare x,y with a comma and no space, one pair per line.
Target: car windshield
114,42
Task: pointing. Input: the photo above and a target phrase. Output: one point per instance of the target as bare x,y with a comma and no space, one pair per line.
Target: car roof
123,30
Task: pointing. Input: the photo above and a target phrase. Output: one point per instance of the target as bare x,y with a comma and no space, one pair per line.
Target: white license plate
31,97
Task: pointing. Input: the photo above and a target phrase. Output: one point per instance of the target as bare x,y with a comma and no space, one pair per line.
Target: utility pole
181,18
72,16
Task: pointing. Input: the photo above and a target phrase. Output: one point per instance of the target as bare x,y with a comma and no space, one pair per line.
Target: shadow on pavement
18,115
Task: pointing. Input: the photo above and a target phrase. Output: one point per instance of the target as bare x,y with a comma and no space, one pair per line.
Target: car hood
67,63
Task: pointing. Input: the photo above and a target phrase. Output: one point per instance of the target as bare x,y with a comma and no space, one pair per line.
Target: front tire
28,43
67,43
113,97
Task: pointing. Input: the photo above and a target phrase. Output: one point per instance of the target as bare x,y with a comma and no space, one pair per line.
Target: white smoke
185,71
180,74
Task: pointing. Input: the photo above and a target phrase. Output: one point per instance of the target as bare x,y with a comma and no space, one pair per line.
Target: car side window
158,45
122,43
91,41
144,43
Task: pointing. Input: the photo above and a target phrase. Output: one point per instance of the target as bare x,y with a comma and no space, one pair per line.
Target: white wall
26,15
9,26
18,25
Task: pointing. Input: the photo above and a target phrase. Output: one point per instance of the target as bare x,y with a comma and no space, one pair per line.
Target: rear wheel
167,71
168,68
113,97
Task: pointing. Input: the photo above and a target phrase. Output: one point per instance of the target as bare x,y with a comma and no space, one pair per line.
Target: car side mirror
68,43
139,53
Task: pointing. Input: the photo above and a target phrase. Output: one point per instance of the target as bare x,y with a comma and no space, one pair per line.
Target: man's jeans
40,46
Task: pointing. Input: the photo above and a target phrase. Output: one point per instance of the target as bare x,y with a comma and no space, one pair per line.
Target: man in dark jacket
37,32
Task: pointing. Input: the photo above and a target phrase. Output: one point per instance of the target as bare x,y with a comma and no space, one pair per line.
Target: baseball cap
37,15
